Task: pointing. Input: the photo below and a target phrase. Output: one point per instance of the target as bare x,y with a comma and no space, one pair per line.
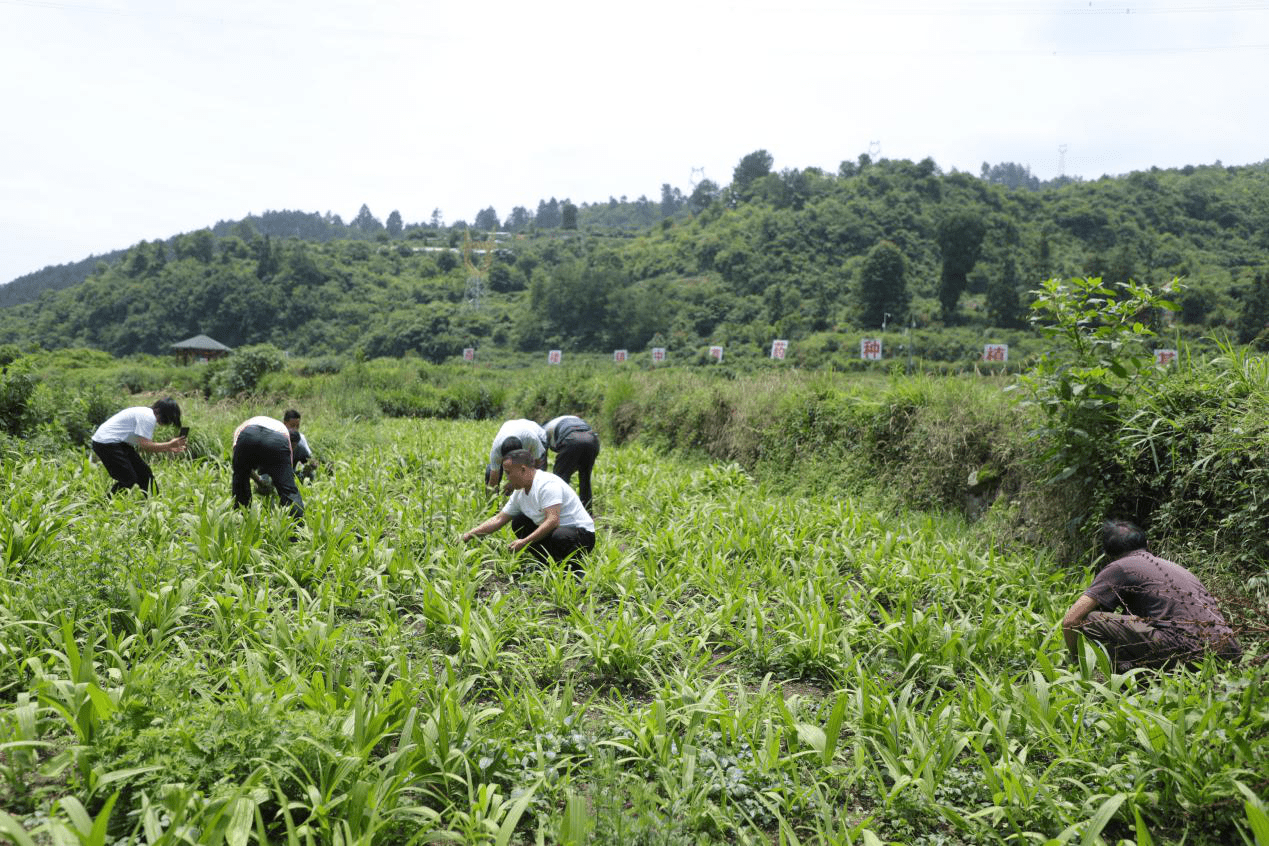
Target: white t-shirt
130,425
268,423
546,490
529,433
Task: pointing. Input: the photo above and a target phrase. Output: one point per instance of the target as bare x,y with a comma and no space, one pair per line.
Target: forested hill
799,254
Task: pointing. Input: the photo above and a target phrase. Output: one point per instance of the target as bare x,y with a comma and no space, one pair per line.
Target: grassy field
735,666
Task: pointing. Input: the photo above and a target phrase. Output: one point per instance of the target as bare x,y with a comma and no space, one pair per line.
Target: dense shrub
241,372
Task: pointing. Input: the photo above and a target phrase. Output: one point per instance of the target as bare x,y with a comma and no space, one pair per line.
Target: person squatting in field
528,435
576,446
305,464
1171,618
263,444
117,440
545,514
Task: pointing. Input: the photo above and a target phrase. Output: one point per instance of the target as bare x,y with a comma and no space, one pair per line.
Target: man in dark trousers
1171,618
576,447
115,443
545,514
264,444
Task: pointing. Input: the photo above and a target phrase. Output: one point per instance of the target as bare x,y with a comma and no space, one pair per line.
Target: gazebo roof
201,342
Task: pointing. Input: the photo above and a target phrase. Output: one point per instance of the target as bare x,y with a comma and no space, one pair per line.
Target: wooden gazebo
199,349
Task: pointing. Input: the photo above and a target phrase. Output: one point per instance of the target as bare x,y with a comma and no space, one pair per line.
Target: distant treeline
806,255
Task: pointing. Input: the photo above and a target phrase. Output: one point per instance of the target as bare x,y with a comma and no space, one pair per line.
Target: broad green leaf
1095,825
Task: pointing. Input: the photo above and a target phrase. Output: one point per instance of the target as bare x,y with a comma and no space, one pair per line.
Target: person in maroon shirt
1171,618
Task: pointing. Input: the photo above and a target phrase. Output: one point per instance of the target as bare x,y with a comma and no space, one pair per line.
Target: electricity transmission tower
476,276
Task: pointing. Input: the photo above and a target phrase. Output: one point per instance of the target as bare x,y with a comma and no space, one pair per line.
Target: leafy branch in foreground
1098,359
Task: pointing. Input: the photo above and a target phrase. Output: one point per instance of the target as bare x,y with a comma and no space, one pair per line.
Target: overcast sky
130,120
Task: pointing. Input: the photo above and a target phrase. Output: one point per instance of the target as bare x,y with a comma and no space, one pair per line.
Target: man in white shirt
264,444
522,434
115,443
545,514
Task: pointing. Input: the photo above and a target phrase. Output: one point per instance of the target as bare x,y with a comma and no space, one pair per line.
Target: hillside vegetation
819,258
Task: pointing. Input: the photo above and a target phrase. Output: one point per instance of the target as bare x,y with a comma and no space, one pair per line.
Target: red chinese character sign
996,352
1164,357
553,357
779,348
469,354
870,349
619,356
658,354
716,353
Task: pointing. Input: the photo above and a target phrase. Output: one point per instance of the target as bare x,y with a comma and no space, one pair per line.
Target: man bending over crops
1171,618
545,514
263,444
514,434
115,443
576,447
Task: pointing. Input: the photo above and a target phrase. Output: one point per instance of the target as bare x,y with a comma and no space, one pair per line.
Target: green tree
548,214
1003,307
487,220
266,259
1253,320
395,225
960,239
883,287
200,246
366,222
751,168
705,192
568,215
671,200
520,219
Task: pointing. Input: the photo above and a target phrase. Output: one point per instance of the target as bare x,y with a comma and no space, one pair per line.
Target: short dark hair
509,445
1119,537
519,456
290,414
167,411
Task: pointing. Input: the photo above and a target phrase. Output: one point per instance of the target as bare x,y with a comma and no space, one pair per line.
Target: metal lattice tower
476,276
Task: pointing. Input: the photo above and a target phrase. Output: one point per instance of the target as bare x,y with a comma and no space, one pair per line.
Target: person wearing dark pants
115,443
559,544
545,514
263,444
1171,619
576,447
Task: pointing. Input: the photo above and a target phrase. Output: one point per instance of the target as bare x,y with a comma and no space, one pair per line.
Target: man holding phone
115,443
